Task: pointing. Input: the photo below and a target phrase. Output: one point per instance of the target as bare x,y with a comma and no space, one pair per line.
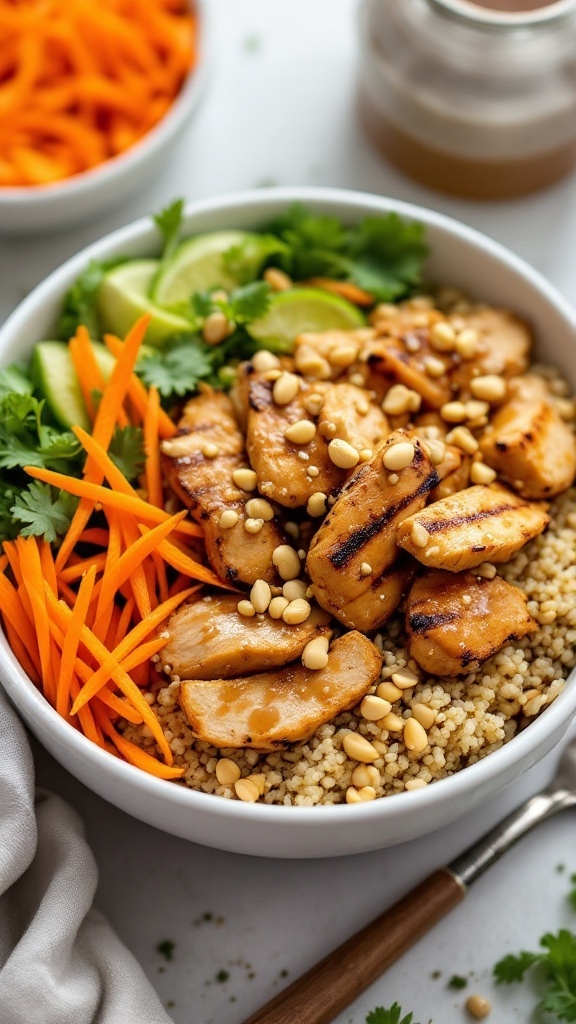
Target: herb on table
166,949
222,976
383,255
390,1016
557,972
457,981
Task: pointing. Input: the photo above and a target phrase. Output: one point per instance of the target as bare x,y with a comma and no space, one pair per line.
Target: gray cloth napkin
60,961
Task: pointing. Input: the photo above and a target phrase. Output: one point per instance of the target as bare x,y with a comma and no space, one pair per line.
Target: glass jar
471,100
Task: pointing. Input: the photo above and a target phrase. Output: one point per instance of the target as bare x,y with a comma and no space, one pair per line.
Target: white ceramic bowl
31,210
460,257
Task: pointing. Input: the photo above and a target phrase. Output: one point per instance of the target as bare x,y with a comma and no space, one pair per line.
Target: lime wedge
197,266
302,309
123,297
55,377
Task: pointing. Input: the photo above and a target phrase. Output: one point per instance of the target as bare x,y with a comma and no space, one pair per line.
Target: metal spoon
328,987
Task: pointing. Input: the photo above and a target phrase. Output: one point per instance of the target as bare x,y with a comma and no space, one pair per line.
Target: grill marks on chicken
269,710
209,640
203,482
454,621
360,532
479,524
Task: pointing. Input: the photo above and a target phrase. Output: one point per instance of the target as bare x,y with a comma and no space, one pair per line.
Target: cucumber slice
197,266
53,373
123,297
302,309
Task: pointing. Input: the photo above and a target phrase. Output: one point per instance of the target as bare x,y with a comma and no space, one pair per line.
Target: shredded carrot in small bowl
81,82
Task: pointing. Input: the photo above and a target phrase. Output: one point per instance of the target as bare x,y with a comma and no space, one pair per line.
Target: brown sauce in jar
457,175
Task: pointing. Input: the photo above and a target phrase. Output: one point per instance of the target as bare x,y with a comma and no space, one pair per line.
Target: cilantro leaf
14,378
387,255
557,980
45,511
80,302
8,495
457,981
390,1016
314,243
249,302
178,368
169,224
126,450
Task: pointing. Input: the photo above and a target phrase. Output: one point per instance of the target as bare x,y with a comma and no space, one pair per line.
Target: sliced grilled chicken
479,524
454,621
398,361
198,464
210,640
528,443
376,597
326,355
504,346
272,709
454,473
282,465
349,413
356,543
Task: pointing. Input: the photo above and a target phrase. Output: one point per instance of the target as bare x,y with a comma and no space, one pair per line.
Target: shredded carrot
66,107
136,756
95,535
183,563
135,637
153,471
139,396
109,499
75,570
72,640
31,569
88,372
345,289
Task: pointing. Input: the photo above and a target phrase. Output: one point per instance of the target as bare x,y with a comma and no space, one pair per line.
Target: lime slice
302,309
197,266
55,377
123,297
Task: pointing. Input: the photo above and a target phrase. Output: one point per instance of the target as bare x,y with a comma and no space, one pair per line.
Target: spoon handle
327,988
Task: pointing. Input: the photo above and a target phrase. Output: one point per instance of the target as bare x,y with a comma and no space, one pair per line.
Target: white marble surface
280,109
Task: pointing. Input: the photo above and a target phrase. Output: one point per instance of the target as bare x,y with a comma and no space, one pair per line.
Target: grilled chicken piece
349,413
273,709
204,483
356,544
479,524
210,640
282,475
326,355
528,444
454,473
454,621
397,361
377,597
504,348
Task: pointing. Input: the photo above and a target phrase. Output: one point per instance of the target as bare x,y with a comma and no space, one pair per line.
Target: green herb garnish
166,949
556,975
457,981
390,1016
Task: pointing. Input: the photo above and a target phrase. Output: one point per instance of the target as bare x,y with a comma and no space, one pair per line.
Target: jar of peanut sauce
475,99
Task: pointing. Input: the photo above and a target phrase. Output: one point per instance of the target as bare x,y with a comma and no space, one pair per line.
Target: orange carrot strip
3,562
87,370
139,396
183,563
137,578
72,640
31,567
110,405
95,535
138,757
153,471
110,668
20,650
124,621
112,555
145,652
345,289
132,558
109,499
136,636
76,571
161,577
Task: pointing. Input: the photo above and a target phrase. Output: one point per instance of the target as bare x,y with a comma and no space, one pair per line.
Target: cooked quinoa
465,719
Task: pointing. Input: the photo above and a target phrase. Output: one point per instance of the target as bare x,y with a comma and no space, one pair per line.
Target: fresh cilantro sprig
169,224
185,360
45,511
240,307
556,975
384,255
126,449
389,1016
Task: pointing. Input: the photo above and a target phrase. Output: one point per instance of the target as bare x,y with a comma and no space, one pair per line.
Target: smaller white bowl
34,209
